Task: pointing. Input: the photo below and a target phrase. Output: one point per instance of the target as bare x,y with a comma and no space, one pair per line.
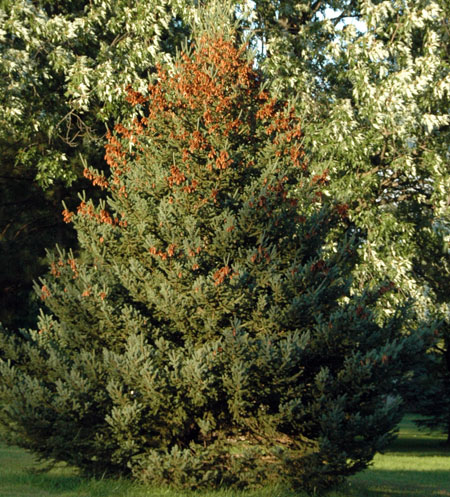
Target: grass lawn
417,465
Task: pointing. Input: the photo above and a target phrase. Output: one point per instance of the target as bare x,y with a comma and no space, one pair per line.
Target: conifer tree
206,335
374,80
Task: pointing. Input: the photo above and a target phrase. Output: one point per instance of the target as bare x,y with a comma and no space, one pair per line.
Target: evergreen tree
374,107
374,84
206,334
64,67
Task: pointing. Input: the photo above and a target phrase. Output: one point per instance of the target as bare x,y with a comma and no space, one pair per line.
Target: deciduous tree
374,82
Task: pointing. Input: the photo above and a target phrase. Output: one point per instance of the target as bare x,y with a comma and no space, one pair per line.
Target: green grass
416,465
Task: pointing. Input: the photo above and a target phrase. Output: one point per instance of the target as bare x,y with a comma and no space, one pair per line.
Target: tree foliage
373,102
374,83
206,335
30,218
64,70
64,67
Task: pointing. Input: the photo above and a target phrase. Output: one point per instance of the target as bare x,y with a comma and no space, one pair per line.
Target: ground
416,465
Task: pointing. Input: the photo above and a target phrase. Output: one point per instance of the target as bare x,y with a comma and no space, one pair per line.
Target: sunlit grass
416,465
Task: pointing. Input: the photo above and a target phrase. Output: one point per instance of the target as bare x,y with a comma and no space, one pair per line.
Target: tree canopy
372,81
206,334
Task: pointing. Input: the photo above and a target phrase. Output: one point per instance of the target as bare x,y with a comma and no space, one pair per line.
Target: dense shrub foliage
206,334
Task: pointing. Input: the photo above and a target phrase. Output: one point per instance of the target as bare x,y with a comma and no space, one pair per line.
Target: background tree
30,218
206,335
64,67
374,83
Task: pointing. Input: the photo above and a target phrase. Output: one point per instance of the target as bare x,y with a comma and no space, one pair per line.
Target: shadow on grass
402,483
61,485
419,447
47,481
22,476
